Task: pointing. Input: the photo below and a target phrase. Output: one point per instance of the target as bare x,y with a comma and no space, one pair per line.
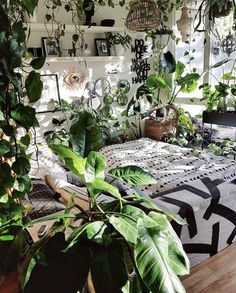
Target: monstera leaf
133,175
86,135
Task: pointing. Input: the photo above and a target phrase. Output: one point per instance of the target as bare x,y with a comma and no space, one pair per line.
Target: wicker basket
155,128
143,16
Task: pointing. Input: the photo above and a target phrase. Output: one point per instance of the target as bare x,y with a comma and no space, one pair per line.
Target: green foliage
117,38
15,122
108,231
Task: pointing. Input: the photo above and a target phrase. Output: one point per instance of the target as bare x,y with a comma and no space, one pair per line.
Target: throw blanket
171,165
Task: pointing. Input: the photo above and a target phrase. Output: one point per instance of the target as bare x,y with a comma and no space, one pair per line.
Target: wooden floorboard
215,275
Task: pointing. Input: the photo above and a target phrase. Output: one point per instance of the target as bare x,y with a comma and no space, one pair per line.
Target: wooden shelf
87,58
41,27
220,118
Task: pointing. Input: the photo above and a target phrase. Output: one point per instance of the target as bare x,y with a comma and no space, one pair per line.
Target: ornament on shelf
184,24
143,16
228,44
72,52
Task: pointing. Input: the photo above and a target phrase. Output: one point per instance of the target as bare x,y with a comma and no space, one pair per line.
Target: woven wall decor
228,45
74,78
143,16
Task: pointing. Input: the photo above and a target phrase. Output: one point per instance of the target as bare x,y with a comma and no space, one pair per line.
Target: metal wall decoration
143,16
139,65
228,44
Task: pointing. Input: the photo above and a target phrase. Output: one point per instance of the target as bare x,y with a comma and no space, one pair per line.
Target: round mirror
107,111
102,87
122,100
123,86
108,100
89,90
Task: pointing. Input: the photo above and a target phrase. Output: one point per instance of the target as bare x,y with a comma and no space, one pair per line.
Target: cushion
43,200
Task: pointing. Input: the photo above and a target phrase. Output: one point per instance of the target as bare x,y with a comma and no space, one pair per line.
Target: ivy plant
16,119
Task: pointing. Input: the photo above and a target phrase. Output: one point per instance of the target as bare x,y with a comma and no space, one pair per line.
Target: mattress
171,165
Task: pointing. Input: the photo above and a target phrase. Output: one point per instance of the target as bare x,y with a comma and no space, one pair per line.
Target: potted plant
118,42
118,240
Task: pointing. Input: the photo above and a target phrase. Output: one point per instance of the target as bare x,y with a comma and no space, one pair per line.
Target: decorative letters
139,65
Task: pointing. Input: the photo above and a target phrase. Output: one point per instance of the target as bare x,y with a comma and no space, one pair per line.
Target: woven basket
143,16
155,129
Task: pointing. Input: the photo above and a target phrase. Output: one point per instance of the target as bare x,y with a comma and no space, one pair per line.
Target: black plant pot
217,12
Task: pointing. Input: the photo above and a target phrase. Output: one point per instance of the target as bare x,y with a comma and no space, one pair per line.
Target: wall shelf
87,58
40,27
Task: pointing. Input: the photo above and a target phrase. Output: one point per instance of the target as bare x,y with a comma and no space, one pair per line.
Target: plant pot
119,50
29,18
217,12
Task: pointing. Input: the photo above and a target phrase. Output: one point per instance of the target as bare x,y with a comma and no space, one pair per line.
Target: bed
192,183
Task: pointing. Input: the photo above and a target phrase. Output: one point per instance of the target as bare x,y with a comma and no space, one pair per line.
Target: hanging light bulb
184,24
228,45
143,16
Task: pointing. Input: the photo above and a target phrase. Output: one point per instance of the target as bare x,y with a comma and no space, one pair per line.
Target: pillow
43,200
75,180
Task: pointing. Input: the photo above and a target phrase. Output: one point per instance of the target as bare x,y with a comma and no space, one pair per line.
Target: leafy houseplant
16,119
118,42
128,225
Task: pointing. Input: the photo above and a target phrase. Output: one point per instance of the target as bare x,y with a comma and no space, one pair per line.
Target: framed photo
102,47
50,97
50,46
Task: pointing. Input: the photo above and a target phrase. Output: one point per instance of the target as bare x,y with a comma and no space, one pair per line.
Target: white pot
28,18
119,50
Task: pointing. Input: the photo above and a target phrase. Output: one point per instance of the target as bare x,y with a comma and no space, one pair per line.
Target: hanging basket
143,16
155,127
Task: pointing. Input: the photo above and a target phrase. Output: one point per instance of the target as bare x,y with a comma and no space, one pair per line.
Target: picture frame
50,46
50,94
102,47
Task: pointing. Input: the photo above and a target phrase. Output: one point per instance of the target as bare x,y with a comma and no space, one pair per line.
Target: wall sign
139,65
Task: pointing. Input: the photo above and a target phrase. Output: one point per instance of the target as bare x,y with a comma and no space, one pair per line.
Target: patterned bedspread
171,165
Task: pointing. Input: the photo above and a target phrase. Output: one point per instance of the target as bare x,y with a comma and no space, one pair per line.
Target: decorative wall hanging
74,78
143,16
139,65
228,45
184,24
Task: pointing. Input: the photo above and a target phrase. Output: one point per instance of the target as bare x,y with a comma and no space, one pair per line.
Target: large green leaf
99,185
85,133
34,86
108,269
178,259
133,175
95,231
21,166
6,149
155,81
95,167
30,5
125,226
151,256
24,115
38,63
73,161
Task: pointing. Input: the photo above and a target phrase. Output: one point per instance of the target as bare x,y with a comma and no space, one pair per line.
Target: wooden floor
215,275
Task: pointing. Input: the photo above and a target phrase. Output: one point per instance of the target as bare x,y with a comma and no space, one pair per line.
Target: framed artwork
50,97
102,47
50,46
